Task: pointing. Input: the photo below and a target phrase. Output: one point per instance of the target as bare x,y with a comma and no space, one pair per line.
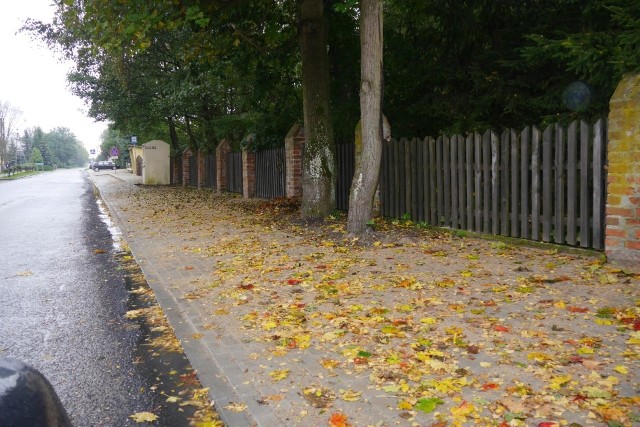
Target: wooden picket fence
546,186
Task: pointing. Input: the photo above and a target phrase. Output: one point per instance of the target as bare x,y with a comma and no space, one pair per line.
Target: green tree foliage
64,148
36,156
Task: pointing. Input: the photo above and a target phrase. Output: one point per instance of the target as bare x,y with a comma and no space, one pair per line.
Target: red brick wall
248,174
221,164
294,145
185,166
201,170
622,242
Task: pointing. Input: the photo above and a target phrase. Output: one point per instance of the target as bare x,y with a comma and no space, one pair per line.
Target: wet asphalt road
62,299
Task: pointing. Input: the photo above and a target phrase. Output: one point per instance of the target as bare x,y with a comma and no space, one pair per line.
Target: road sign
92,151
114,152
134,139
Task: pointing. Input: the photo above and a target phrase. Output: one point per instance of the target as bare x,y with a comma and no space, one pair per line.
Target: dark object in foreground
27,398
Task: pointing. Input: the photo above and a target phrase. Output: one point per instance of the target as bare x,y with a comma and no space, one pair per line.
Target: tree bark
367,170
318,171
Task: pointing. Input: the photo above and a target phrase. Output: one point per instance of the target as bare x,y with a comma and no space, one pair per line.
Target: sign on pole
114,152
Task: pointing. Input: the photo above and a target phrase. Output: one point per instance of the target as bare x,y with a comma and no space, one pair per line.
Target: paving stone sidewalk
292,325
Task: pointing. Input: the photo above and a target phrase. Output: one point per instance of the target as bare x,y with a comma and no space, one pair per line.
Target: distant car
105,164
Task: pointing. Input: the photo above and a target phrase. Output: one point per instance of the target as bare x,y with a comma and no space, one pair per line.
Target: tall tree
8,117
318,175
367,170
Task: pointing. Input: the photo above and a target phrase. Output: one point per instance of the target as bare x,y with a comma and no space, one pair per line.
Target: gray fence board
515,184
505,176
560,201
535,183
547,195
584,184
477,169
599,141
454,179
525,183
470,182
572,183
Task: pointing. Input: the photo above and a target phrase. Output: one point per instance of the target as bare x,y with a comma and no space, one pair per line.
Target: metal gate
270,173
234,172
210,179
193,171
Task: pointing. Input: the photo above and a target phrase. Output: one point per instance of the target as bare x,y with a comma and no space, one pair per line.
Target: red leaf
577,309
548,424
489,386
294,281
501,328
338,419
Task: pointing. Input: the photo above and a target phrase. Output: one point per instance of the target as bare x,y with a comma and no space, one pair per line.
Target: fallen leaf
428,404
144,417
280,374
236,407
351,395
338,419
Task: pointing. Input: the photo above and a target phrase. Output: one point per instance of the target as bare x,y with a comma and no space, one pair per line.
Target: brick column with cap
248,174
622,244
294,148
222,150
186,154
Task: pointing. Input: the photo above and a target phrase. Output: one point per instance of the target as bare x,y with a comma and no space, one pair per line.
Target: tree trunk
318,172
367,170
173,135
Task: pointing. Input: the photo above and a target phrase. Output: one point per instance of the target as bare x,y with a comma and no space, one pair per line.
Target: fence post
294,145
185,167
248,173
622,233
222,150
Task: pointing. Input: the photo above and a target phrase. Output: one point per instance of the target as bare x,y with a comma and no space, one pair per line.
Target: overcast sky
33,79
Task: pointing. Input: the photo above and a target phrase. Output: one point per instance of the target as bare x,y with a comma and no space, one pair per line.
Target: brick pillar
294,145
185,166
248,174
622,244
176,160
201,169
221,164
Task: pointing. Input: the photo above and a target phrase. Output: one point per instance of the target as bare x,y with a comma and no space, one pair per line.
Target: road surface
63,299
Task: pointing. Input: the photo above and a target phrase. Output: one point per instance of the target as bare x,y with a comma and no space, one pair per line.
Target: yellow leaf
269,325
329,363
428,321
405,405
560,304
621,369
351,396
236,407
558,382
303,341
133,314
635,338
279,374
461,411
585,350
172,399
144,417
539,357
